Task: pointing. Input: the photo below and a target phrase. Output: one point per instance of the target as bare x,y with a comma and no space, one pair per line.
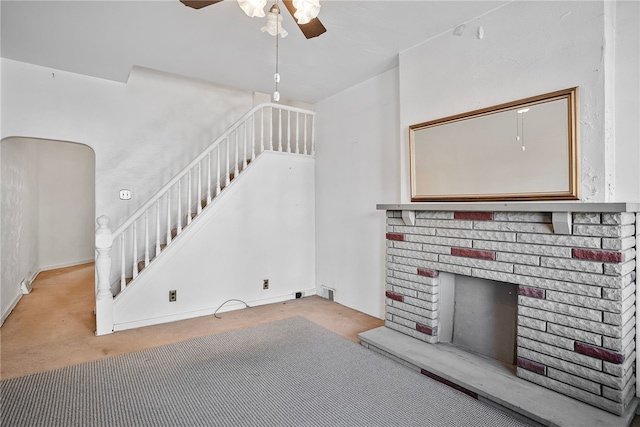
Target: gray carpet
287,373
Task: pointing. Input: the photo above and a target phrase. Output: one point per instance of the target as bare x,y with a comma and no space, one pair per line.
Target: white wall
529,48
19,227
260,227
357,167
66,204
142,132
627,101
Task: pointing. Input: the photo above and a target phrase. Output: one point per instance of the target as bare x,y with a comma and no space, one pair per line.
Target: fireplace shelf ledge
493,382
515,206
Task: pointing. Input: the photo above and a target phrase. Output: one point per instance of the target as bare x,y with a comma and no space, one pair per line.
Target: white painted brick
572,322
434,215
560,353
523,248
522,227
532,323
628,303
390,229
546,338
404,291
422,304
447,268
404,322
412,333
415,262
603,230
421,287
388,316
391,214
428,297
415,278
518,258
617,244
522,217
407,308
396,312
444,223
619,218
392,266
420,231
560,240
619,344
586,218
405,245
559,308
572,264
619,269
435,240
409,254
581,371
576,334
619,294
575,381
619,395
477,234
389,258
587,302
619,319
436,249
395,221
570,276
576,393
627,327
619,370
477,263
573,288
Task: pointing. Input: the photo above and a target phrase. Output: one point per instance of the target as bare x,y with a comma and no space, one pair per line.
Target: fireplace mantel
515,206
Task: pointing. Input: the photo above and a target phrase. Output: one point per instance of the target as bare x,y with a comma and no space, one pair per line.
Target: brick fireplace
574,265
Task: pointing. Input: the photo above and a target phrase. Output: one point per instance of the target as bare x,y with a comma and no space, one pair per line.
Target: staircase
129,251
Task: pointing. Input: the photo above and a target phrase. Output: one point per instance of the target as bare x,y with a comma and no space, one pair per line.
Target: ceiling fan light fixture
253,8
306,10
274,23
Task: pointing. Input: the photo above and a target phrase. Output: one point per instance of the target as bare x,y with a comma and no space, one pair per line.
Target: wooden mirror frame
558,164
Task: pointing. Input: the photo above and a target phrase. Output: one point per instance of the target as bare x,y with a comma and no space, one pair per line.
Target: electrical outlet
125,194
265,284
173,295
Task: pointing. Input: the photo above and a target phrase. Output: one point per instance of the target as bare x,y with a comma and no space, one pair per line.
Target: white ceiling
221,44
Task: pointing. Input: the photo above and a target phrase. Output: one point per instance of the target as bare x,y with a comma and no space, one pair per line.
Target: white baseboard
10,309
65,265
231,306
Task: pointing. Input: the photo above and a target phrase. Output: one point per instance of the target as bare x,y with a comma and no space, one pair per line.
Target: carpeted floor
286,373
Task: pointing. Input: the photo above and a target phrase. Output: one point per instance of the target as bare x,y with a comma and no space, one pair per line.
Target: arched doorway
47,212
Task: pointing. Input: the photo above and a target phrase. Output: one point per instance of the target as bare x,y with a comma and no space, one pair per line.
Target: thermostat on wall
125,194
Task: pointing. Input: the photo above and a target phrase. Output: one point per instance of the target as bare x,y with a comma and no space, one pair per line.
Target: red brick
606,256
426,272
426,329
473,253
449,383
395,236
531,292
532,366
395,296
599,352
477,216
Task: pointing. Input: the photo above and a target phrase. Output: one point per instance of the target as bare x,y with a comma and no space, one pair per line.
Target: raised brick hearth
576,303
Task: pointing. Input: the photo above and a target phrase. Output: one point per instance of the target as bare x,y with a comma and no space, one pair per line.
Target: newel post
104,298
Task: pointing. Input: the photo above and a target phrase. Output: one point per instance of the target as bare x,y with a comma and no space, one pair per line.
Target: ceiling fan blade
310,30
199,4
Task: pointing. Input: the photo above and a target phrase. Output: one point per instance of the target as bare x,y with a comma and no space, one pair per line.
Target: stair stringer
261,227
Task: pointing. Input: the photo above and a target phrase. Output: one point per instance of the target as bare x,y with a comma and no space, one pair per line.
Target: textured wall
19,228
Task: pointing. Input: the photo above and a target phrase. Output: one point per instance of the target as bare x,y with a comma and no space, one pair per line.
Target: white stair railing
152,228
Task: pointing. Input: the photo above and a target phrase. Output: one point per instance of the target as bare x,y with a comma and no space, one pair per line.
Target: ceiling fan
312,29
